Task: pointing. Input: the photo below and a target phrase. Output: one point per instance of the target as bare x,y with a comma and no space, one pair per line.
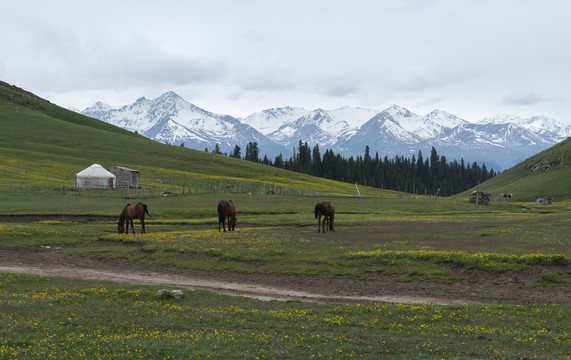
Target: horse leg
142,226
231,223
132,227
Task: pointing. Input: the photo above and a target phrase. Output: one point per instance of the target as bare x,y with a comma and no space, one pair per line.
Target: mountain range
499,142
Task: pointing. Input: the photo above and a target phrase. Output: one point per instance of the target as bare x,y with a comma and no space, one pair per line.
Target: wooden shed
480,197
125,177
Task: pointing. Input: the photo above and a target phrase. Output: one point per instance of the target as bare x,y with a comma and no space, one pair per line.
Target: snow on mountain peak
170,95
445,119
419,126
99,106
271,120
397,111
537,124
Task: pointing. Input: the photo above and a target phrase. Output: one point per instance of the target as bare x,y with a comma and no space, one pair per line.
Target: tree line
432,175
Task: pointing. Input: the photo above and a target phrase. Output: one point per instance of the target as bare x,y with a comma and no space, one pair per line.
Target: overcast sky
474,59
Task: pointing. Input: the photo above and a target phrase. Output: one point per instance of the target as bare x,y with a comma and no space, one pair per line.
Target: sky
471,58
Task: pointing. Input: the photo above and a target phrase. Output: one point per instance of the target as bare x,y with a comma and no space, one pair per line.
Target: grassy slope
41,141
552,180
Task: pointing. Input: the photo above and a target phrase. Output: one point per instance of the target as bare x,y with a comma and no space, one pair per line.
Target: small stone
177,294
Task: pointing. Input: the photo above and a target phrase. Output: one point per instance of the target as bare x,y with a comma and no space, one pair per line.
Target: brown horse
326,210
130,212
226,210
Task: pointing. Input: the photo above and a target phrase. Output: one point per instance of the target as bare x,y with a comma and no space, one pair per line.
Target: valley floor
476,286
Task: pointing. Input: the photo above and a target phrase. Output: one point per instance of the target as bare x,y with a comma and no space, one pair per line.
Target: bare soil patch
478,287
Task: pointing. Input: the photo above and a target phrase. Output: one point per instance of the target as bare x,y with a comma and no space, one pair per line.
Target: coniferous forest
432,175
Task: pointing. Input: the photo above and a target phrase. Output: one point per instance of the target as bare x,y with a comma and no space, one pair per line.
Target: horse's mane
122,216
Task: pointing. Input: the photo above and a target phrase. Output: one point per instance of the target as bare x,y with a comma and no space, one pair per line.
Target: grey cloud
522,99
138,64
421,78
162,69
341,89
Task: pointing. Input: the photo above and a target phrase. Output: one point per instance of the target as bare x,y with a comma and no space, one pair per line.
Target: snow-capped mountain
499,142
171,119
270,120
537,124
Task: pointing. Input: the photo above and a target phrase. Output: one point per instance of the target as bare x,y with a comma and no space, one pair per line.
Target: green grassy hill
547,174
44,146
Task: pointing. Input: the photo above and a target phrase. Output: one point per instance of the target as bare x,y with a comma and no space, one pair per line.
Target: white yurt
95,177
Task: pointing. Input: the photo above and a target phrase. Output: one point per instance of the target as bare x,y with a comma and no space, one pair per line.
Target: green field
431,246
50,318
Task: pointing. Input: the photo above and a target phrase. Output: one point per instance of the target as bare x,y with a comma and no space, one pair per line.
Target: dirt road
477,286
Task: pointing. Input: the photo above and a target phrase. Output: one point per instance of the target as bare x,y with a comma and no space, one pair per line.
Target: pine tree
217,149
316,167
236,153
252,152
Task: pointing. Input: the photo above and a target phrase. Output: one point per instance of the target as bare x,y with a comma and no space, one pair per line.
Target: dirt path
479,287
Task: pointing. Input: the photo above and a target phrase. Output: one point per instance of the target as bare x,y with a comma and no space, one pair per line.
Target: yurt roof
96,170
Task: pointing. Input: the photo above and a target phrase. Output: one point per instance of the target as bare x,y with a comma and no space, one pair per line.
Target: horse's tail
146,210
220,211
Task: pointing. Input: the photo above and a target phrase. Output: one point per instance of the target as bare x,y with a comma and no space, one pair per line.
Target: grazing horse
130,212
326,210
226,210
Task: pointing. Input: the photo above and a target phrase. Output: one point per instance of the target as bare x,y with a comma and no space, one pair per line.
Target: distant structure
480,197
504,197
126,178
543,201
95,177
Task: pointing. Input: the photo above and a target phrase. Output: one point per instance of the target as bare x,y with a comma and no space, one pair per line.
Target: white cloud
238,57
